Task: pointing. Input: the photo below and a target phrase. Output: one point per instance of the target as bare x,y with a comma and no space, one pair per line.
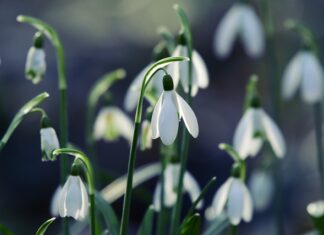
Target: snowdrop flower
49,142
35,64
304,71
146,135
171,179
169,109
262,189
240,22
253,128
73,199
179,70
54,206
112,123
234,199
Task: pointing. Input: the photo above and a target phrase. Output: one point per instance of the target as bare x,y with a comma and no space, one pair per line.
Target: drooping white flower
306,72
73,199
35,65
146,135
240,22
234,199
262,189
179,70
112,123
252,129
54,206
49,142
169,109
171,180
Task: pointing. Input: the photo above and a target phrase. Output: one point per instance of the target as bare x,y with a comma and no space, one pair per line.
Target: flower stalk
132,155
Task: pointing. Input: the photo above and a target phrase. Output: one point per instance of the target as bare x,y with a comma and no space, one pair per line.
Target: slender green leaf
108,213
118,188
42,229
24,110
217,226
191,226
5,231
147,223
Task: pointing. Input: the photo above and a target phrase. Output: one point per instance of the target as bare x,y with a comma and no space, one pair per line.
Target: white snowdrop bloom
73,200
133,91
304,71
316,209
169,109
112,123
146,135
179,70
240,22
35,65
234,199
54,206
171,180
49,142
262,189
252,129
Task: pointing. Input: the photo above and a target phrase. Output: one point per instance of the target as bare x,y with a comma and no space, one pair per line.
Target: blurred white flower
169,109
171,180
54,206
49,142
304,71
35,64
240,22
252,129
262,189
146,135
179,70
112,123
234,199
73,199
316,209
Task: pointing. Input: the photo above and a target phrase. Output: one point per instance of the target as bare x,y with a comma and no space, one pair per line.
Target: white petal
227,31
200,69
155,118
54,209
312,79
157,197
292,76
273,134
247,204
221,197
188,116
133,91
192,187
49,142
252,32
168,119
85,200
171,179
124,124
243,136
184,70
235,202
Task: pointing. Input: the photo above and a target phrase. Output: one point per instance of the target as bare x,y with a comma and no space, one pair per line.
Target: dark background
103,35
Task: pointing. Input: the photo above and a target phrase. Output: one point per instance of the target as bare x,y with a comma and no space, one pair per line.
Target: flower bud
49,140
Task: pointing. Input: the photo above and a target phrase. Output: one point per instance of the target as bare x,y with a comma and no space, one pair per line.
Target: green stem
319,143
53,37
161,217
90,180
233,230
132,155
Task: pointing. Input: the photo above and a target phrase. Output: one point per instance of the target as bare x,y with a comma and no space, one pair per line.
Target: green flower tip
121,73
254,78
290,24
255,102
236,170
168,83
222,146
45,122
38,40
181,39
20,18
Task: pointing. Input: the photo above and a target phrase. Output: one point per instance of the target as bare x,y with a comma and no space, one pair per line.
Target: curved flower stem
53,37
176,213
90,180
132,155
319,143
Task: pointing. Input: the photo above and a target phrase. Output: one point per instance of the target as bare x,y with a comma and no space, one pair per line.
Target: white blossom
49,142
35,65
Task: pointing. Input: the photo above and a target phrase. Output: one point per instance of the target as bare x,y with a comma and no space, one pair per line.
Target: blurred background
102,35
